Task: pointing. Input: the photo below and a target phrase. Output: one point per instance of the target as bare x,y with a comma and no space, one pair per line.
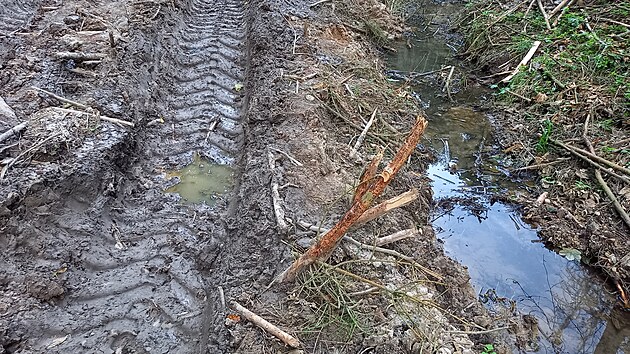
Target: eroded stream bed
567,306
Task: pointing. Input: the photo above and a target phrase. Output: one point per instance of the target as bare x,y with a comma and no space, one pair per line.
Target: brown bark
324,247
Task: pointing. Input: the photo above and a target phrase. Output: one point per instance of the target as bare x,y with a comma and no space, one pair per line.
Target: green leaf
571,254
238,87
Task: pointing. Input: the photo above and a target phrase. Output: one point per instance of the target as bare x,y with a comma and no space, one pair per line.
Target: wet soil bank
98,257
566,305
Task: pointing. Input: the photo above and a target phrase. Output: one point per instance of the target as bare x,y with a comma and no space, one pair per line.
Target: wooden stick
275,196
592,156
80,55
447,85
324,247
355,149
525,60
528,100
558,8
388,205
291,158
397,236
564,10
62,99
596,165
13,131
394,253
266,326
598,175
544,13
99,116
616,22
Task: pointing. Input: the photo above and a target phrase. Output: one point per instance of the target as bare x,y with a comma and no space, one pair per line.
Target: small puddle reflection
507,263
201,181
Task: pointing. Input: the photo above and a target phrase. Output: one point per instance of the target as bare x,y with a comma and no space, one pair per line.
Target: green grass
542,146
333,308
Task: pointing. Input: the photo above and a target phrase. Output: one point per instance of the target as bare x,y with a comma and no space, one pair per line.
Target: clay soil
97,258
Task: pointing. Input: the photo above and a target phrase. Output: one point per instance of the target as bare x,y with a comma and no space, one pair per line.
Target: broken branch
366,177
361,137
13,131
525,60
384,207
544,13
397,236
324,247
266,326
80,56
102,117
275,196
598,175
592,156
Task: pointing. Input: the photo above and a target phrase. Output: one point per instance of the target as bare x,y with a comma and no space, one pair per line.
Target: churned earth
125,100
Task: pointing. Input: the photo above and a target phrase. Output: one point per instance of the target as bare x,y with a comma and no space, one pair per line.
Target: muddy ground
98,258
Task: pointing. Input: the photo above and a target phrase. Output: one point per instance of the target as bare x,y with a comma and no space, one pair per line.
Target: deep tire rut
141,262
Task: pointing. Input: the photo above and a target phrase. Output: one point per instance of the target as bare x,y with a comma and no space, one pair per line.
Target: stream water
508,265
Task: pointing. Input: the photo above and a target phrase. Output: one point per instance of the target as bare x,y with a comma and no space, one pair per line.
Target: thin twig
479,332
16,159
560,6
397,236
596,165
102,117
291,158
592,156
361,137
447,85
275,196
62,99
544,13
317,3
622,212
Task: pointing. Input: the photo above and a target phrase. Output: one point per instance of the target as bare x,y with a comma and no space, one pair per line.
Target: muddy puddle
201,181
568,308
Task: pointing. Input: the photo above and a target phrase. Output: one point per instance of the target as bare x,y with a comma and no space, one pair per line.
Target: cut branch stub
324,247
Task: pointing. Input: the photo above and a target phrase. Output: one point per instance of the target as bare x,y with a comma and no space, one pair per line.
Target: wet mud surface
96,256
